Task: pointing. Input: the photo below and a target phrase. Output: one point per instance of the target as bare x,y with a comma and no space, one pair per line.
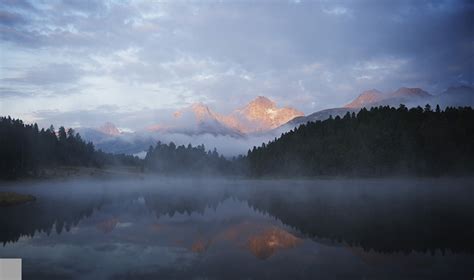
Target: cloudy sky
81,63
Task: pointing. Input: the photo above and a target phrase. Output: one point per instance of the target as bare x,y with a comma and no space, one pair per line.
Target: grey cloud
10,19
276,37
95,117
22,38
229,52
89,7
12,92
49,74
17,4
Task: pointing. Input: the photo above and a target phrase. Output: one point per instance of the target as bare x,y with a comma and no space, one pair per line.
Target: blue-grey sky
81,63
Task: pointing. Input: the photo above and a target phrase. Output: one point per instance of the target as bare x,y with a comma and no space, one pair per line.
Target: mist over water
198,228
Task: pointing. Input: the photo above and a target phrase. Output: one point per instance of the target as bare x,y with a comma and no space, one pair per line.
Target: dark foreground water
217,229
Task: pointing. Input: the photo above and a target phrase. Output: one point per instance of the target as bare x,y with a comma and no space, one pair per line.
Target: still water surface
161,228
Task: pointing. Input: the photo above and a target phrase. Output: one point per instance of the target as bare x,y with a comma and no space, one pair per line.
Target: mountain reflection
268,242
371,216
108,225
385,219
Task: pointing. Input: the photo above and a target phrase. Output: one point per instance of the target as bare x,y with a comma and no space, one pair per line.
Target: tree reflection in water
228,221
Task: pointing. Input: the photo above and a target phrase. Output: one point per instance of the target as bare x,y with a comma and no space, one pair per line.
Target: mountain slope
404,95
456,96
319,116
408,93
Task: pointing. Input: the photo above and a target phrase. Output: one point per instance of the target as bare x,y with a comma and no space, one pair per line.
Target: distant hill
456,96
110,139
410,97
317,116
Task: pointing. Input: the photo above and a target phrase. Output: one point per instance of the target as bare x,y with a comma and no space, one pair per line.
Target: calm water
217,229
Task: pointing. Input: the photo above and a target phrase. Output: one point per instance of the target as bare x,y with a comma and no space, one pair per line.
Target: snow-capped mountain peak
367,97
261,114
200,111
109,128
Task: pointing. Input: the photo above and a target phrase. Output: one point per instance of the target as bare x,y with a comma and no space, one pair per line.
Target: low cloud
225,145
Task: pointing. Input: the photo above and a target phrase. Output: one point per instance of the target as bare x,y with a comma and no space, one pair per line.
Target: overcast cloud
68,60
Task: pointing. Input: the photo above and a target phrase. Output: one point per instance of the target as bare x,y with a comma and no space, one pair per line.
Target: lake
195,228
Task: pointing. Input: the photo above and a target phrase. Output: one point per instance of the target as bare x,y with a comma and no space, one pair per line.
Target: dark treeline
375,142
25,150
172,159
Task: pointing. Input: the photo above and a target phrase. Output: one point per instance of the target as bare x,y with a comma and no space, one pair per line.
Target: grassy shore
76,172
11,198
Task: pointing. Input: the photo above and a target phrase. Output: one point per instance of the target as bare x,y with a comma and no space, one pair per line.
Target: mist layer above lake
242,229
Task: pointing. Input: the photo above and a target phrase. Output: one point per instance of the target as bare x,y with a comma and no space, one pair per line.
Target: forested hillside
25,150
379,141
172,159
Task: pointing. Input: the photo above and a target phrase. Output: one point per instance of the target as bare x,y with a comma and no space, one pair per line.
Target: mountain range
261,117
453,96
410,97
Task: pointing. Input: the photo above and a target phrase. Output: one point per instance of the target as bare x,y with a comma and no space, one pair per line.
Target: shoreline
67,173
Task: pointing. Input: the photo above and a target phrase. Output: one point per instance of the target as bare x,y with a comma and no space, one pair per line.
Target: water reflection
243,229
